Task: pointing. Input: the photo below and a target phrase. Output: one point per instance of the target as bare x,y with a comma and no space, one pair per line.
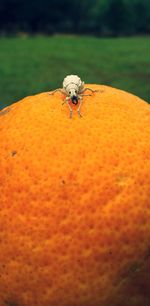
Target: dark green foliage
118,18
99,17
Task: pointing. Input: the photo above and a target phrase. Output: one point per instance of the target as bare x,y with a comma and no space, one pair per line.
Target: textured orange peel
75,201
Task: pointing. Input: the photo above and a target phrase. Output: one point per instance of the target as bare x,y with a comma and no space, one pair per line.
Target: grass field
29,65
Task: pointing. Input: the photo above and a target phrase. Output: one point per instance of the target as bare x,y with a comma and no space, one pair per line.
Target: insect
74,90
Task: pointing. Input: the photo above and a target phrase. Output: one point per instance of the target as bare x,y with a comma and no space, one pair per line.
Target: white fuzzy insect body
73,85
73,88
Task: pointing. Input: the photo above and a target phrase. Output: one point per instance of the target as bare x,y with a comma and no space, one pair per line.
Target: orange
75,201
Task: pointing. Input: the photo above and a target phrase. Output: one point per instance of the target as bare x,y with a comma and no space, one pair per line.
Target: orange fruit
75,201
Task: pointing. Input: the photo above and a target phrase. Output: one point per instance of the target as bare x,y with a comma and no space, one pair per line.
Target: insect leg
85,95
59,89
87,88
81,101
67,98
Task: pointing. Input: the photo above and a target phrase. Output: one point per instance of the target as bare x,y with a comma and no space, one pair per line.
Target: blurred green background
104,42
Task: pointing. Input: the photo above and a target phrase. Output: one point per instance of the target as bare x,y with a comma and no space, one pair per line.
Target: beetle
74,90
